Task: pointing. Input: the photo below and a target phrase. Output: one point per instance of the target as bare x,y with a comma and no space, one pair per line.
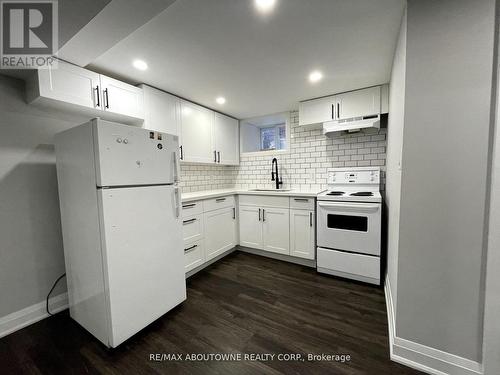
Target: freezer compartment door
143,256
127,155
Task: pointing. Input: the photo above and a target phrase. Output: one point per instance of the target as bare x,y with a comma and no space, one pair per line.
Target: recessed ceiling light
265,5
220,100
140,64
315,76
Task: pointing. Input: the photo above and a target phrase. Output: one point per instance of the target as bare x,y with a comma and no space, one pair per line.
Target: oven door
349,226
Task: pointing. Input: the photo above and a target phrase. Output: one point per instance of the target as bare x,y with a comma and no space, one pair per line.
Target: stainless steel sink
275,190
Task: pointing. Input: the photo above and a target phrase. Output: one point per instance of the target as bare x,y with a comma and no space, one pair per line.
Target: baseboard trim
208,263
285,258
31,314
421,357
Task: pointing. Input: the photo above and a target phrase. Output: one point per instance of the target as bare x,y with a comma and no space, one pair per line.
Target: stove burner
336,193
362,194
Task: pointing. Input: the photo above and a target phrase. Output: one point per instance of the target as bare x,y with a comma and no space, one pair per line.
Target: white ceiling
201,49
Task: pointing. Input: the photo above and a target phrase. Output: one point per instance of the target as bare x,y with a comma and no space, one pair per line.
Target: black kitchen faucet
275,175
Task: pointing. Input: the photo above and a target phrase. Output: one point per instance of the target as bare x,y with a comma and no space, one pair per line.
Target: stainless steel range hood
351,124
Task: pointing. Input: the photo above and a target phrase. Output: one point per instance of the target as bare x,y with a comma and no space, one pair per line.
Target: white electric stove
349,216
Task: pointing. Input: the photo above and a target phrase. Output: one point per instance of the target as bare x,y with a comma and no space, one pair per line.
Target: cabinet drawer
194,255
191,208
302,203
355,266
264,201
220,202
192,228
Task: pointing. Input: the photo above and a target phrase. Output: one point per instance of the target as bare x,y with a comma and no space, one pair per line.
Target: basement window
266,134
273,138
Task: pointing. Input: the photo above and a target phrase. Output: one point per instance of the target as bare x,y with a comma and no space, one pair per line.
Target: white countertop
206,194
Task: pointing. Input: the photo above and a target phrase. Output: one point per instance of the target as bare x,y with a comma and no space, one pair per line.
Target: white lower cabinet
194,255
276,230
302,231
220,231
265,228
209,228
250,226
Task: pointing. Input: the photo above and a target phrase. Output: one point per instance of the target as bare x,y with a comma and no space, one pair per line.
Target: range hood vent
351,124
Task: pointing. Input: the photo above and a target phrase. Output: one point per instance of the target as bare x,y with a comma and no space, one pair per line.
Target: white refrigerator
122,230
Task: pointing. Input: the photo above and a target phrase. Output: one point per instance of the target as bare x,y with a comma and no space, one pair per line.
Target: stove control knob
125,141
119,140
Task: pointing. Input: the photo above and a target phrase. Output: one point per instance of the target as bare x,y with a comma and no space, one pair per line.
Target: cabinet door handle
220,199
338,110
301,200
98,104
263,215
333,112
189,221
218,156
234,213
259,214
215,156
106,102
182,153
310,219
190,248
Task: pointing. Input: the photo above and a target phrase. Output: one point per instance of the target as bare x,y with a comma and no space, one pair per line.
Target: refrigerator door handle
175,171
177,202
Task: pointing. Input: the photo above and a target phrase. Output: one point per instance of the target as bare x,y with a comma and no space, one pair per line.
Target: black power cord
51,290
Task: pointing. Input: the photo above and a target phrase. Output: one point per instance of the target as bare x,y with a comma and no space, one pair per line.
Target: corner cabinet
220,231
72,88
264,223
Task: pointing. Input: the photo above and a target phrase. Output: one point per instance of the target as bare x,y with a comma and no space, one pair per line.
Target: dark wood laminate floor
241,304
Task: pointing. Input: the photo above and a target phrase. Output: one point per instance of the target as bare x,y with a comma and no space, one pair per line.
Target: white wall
31,252
394,154
491,342
250,138
444,180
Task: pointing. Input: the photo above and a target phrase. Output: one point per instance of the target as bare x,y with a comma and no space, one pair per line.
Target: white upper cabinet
357,103
122,98
316,111
364,102
226,136
161,111
204,136
66,83
71,88
197,141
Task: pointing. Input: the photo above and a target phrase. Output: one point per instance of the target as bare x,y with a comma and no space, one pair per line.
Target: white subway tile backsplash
311,153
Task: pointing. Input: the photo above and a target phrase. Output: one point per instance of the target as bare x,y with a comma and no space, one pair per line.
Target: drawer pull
301,200
190,248
220,199
189,205
189,221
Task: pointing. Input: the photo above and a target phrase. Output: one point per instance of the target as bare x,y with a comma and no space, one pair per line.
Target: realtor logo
29,33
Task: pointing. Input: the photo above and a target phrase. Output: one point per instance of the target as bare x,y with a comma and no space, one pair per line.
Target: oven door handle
350,207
